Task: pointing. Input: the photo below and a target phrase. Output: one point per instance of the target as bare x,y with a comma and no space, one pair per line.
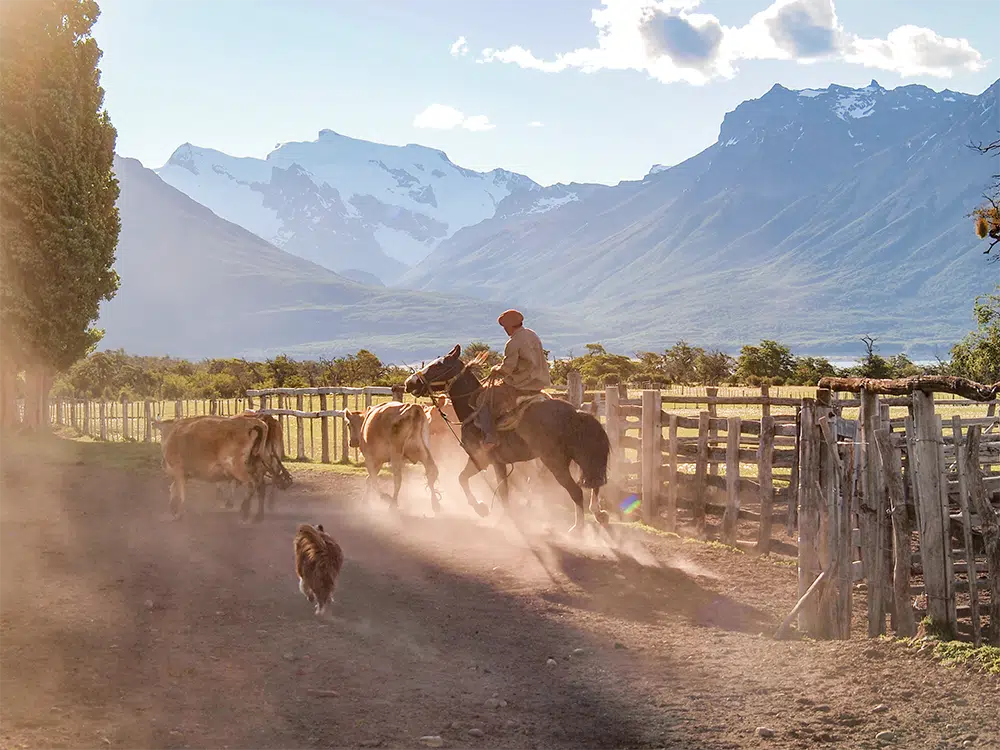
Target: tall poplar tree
59,221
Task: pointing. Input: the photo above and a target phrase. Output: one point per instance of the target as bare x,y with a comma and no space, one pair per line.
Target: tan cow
276,446
219,449
393,433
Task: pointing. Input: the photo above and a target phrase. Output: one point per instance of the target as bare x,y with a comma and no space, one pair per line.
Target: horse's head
438,375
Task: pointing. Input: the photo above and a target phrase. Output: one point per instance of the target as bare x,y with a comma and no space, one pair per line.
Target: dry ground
122,629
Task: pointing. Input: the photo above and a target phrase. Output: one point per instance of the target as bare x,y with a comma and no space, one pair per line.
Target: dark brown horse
552,430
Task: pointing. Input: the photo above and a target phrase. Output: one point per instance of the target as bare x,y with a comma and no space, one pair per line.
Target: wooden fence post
574,388
792,503
300,436
731,515
213,407
990,519
871,515
935,540
324,431
178,409
86,417
672,488
700,475
893,469
713,434
125,430
809,559
613,427
346,434
103,417
650,454
963,504
765,408
398,393
765,462
147,413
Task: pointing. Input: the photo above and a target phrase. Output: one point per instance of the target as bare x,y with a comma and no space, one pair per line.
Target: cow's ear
456,351
441,400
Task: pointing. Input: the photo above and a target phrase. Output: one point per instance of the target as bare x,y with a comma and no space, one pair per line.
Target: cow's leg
562,474
431,470
396,462
177,496
470,470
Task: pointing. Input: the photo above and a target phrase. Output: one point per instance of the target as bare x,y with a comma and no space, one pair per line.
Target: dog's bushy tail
318,559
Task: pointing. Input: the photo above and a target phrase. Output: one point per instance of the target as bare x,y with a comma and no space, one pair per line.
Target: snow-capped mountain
352,205
817,216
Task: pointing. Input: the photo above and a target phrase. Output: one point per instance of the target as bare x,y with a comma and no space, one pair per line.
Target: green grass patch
62,451
957,653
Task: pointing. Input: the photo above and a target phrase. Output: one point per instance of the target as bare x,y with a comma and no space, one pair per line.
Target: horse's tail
591,449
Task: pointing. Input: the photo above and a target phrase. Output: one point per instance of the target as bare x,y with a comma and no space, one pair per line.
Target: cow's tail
257,447
590,449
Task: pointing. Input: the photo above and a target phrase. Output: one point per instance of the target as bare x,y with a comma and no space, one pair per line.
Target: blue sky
527,85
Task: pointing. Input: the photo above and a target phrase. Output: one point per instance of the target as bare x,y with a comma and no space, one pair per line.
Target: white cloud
460,47
911,51
535,124
443,117
670,42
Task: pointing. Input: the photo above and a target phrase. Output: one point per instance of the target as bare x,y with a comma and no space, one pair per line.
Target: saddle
511,418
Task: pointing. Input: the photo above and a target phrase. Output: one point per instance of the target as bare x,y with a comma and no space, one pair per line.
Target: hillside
352,205
195,285
817,216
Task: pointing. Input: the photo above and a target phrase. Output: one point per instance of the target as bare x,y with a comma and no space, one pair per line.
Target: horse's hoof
482,510
436,507
603,518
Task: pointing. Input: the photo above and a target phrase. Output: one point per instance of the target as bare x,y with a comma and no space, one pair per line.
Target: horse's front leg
503,488
470,470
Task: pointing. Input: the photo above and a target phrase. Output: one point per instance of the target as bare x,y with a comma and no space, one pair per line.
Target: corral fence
314,428
910,505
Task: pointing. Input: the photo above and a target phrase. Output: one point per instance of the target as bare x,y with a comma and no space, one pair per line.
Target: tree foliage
977,356
57,190
113,374
987,215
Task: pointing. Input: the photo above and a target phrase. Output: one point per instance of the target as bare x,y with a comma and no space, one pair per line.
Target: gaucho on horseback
524,371
533,424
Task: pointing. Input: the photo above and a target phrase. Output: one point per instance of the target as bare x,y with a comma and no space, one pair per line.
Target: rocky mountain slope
817,216
196,285
352,205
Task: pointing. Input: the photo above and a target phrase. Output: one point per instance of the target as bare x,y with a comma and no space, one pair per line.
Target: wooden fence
905,504
312,431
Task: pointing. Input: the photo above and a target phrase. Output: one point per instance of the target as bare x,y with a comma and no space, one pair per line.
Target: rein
444,385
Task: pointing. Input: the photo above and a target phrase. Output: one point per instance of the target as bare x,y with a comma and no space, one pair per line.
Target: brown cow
395,433
276,445
219,449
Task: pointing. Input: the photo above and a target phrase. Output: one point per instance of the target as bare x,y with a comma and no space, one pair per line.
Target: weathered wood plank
871,513
733,454
917,384
651,452
765,454
701,472
991,532
963,504
934,536
809,567
892,466
672,473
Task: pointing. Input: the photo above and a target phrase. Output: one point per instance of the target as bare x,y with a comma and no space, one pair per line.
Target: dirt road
120,629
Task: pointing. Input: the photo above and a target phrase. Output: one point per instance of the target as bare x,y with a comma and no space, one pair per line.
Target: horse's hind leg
595,507
470,470
565,479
